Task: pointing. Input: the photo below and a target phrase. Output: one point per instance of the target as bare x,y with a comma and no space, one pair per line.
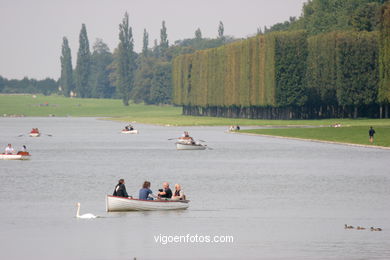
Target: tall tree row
281,75
384,59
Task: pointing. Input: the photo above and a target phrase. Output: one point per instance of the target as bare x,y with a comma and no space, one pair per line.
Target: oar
20,135
202,141
172,138
49,135
209,147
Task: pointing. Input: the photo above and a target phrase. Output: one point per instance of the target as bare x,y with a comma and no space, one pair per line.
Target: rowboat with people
114,203
34,133
190,146
186,142
18,156
134,131
129,129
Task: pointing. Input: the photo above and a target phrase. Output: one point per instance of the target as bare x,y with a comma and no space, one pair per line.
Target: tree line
290,74
141,77
13,86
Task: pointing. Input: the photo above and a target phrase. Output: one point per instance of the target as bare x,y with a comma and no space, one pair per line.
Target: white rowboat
34,134
14,156
189,146
114,203
129,131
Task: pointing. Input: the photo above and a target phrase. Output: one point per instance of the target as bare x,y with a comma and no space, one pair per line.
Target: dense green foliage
384,56
100,71
66,80
46,86
283,69
343,69
260,71
83,66
321,16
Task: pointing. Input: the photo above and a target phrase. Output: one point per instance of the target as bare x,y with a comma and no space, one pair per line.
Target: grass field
352,134
353,130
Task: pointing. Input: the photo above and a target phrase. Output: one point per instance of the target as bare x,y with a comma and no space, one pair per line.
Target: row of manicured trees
321,74
342,70
290,67
357,69
243,73
384,59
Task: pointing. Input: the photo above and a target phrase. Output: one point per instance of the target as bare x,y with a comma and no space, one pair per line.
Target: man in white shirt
9,149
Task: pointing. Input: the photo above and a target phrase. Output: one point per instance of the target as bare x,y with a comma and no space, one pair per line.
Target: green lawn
353,134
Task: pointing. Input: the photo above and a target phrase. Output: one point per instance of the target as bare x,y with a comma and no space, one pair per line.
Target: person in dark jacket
371,133
166,192
120,189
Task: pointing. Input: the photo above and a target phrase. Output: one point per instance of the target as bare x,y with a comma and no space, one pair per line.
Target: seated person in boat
120,189
23,151
165,192
179,194
146,193
34,131
9,149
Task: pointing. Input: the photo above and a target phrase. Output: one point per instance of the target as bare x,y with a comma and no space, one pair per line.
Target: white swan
85,216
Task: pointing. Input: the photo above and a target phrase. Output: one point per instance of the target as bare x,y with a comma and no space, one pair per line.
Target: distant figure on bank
371,133
165,192
179,194
120,189
146,193
9,149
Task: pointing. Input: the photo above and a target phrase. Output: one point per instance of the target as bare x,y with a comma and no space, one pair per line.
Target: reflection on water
280,199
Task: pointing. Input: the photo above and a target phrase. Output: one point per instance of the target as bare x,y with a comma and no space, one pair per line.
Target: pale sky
31,31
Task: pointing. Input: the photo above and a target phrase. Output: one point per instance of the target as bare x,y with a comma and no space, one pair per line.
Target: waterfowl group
361,228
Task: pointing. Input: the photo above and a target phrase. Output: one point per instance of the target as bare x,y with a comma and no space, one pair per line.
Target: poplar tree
198,34
145,43
221,30
83,67
66,80
164,44
125,60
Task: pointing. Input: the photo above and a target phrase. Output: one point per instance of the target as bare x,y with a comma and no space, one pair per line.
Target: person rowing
9,149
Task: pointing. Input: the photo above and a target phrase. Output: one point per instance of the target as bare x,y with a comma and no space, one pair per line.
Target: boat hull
114,203
14,157
183,146
34,134
129,132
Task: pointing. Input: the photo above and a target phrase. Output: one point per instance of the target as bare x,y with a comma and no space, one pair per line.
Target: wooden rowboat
189,146
114,203
124,131
19,156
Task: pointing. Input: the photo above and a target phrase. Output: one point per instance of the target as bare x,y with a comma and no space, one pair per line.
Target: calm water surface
279,199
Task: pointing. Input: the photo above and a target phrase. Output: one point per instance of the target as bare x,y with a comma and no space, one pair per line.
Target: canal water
276,198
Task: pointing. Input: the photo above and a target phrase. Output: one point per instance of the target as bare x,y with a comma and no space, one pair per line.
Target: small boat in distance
186,142
190,146
18,156
134,131
129,129
114,203
34,133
